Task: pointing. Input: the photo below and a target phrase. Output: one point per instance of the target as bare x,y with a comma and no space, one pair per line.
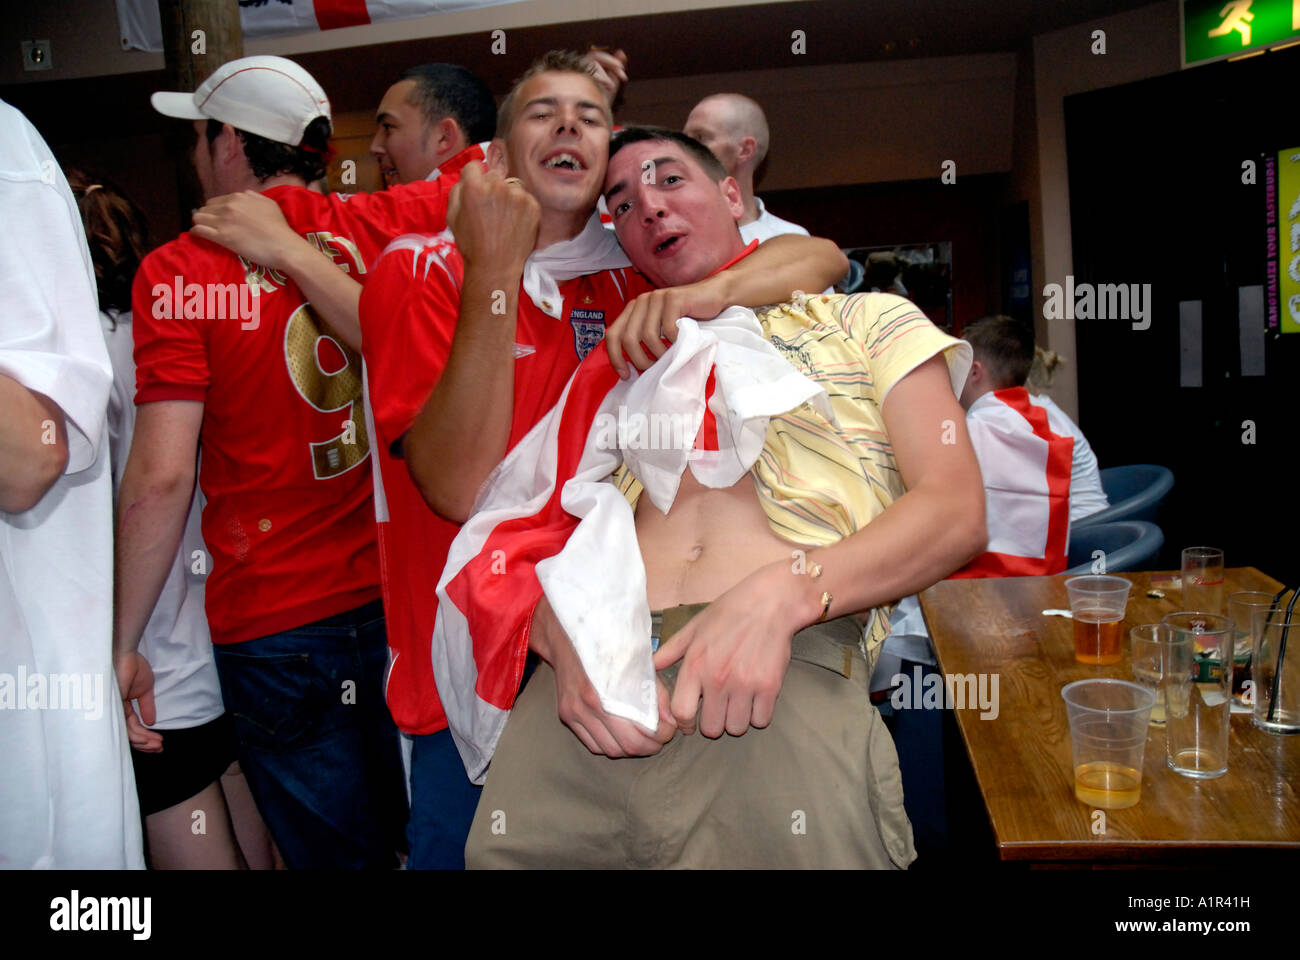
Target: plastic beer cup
1097,605
1108,737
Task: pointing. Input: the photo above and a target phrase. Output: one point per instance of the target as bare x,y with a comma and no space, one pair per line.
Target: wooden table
1021,758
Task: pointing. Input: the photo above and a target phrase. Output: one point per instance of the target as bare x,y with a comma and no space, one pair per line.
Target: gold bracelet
815,571
826,607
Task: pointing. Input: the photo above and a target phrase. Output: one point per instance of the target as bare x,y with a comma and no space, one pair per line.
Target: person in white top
1004,342
734,128
67,794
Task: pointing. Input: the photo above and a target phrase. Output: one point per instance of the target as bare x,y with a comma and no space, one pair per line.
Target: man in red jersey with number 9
234,359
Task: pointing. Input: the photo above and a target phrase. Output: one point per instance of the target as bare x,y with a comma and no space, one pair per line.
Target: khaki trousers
819,787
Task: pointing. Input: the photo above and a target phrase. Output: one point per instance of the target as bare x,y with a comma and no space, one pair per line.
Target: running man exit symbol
1237,17
1222,29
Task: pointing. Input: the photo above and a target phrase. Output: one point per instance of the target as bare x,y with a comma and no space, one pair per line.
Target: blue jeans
918,736
443,798
316,741
443,801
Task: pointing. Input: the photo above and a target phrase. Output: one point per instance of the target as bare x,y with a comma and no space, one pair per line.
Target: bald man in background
734,128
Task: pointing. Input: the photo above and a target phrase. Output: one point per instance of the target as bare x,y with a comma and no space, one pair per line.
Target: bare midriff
708,542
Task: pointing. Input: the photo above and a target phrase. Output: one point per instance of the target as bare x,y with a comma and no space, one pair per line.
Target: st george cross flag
546,519
1025,453
141,27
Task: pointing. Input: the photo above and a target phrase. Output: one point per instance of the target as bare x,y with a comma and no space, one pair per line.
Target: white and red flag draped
547,520
1025,453
141,27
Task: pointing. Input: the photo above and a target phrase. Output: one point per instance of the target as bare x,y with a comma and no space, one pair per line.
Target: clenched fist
495,221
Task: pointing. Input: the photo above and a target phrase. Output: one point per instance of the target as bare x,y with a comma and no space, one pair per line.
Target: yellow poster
1288,219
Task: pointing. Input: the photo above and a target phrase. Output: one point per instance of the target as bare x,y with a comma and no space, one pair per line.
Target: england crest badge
588,329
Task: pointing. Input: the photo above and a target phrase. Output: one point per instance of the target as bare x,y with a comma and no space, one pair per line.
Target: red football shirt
289,519
408,319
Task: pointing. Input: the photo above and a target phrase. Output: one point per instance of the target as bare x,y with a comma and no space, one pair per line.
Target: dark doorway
1157,196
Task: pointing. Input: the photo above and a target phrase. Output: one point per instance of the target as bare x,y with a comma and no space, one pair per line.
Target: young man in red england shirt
234,354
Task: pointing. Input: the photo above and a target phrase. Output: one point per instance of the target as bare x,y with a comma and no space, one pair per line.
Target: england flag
141,26
1025,452
548,520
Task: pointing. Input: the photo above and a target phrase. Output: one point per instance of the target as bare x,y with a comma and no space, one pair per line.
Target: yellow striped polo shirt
819,482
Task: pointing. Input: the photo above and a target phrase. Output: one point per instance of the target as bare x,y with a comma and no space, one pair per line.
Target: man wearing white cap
234,356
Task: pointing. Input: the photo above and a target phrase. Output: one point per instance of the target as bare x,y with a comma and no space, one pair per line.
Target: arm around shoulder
253,226
782,266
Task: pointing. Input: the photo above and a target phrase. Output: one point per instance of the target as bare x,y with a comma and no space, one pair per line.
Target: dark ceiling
728,39
660,45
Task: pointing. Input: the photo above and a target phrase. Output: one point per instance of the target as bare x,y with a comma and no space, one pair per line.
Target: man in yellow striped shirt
762,588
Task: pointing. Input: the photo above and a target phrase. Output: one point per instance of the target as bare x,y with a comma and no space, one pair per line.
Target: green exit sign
1217,29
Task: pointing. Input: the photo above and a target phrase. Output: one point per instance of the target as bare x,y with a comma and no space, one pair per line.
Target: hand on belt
832,644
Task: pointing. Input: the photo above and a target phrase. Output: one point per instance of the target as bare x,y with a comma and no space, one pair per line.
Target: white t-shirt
175,640
1086,493
767,226
67,790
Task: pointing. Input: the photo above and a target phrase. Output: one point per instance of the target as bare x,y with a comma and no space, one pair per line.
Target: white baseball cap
269,96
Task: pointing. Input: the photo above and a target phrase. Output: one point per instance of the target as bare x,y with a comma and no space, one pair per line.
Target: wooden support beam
198,37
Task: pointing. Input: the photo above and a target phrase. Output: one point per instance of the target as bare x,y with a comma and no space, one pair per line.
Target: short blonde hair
553,61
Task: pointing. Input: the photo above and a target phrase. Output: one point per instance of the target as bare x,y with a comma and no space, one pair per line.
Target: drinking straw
1281,652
